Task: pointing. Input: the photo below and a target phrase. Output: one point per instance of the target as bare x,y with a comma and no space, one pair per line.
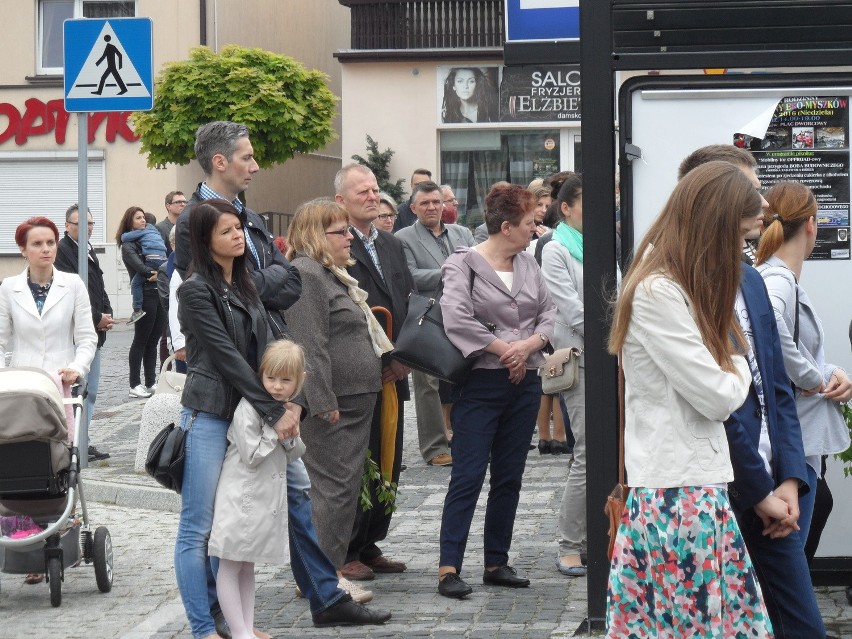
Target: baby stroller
40,483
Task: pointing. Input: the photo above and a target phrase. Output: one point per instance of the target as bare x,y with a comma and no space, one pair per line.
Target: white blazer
676,396
63,336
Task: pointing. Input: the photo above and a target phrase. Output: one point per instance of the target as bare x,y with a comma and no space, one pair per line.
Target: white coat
676,396
63,336
250,512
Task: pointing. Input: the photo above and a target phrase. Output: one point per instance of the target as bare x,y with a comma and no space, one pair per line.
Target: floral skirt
680,569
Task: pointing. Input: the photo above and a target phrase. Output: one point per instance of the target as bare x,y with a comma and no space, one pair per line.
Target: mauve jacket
519,313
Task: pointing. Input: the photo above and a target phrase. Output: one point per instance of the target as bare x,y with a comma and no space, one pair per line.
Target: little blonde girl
250,512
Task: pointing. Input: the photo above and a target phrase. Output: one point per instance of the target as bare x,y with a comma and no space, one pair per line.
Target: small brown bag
560,371
614,507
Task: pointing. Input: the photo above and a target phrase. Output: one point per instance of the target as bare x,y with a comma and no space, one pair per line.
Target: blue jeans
313,571
806,506
493,419
782,572
137,283
206,443
94,381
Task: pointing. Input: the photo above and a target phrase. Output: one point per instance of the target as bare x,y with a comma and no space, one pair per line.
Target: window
471,161
51,15
23,177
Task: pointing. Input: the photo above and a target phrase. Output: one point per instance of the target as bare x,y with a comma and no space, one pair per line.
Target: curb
130,495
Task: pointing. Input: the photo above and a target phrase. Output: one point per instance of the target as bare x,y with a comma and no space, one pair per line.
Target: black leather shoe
348,613
504,576
545,446
453,586
560,448
96,455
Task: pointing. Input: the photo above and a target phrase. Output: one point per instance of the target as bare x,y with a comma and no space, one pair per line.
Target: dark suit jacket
404,216
751,481
66,260
390,292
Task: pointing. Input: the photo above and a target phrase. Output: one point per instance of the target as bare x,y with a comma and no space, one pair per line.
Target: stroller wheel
54,580
102,555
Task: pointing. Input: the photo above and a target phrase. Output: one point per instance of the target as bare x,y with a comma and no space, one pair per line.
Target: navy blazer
751,481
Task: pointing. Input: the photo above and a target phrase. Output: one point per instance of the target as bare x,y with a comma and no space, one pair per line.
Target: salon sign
493,94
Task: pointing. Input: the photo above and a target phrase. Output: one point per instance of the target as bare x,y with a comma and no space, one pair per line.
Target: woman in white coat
788,240
45,314
562,267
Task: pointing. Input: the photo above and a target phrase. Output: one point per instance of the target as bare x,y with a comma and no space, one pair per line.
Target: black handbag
166,456
423,344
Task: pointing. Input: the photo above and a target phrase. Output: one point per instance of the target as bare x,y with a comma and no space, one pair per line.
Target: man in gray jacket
427,243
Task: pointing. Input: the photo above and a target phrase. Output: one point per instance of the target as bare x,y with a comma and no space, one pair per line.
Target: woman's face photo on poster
469,94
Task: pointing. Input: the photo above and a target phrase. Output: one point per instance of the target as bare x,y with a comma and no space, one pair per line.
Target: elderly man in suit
427,243
381,271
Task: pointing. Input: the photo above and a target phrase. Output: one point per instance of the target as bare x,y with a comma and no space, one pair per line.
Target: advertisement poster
808,142
493,94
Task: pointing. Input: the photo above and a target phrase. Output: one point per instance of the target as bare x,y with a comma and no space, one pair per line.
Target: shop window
51,15
471,161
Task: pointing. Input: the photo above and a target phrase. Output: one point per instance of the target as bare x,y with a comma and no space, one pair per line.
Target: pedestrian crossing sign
108,65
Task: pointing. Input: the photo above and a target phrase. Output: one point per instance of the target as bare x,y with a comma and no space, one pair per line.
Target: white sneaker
135,316
359,595
139,392
152,388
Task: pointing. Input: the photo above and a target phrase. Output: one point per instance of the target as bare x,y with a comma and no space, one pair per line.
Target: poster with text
808,141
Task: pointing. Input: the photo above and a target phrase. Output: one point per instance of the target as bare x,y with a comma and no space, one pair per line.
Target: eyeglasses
341,232
181,202
78,224
387,216
451,200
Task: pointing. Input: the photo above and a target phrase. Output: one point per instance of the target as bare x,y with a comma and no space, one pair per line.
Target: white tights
235,590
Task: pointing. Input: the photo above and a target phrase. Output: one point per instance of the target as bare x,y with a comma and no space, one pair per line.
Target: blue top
149,237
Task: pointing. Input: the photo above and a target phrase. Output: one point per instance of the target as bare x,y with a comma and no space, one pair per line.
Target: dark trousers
372,526
147,331
493,420
784,579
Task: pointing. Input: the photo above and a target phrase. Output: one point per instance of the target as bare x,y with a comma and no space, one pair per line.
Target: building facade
426,79
38,139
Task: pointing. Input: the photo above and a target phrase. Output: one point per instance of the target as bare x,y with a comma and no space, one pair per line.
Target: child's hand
332,416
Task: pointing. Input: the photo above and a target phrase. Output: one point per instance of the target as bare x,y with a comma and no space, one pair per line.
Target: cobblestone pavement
142,519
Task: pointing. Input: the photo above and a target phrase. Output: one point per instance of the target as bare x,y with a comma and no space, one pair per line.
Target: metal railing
431,24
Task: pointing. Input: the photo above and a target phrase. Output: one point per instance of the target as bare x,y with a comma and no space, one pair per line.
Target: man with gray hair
226,156
67,260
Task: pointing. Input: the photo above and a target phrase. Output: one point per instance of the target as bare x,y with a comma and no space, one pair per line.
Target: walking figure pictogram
110,54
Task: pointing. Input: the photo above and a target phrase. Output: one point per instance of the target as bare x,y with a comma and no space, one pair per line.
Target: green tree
378,162
287,108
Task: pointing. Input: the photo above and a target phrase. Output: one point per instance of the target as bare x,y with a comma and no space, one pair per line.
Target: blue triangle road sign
108,65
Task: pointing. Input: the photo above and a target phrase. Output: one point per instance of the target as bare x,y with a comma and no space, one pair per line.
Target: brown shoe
382,564
356,571
443,459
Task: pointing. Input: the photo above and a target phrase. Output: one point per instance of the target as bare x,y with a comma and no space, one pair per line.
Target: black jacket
222,334
404,216
391,291
66,260
277,281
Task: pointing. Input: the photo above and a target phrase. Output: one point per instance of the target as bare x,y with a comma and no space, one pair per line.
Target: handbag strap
620,420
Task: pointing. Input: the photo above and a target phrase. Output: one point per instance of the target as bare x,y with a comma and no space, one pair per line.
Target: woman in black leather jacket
225,326
147,329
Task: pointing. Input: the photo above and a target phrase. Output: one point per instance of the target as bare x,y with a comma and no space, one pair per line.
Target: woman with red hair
44,312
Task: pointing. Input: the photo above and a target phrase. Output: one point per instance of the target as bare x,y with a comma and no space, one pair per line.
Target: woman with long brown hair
788,240
680,565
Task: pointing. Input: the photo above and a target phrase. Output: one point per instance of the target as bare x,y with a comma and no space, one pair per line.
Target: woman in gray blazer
343,344
786,243
494,410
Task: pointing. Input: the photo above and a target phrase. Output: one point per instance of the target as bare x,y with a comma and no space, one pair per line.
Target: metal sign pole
83,246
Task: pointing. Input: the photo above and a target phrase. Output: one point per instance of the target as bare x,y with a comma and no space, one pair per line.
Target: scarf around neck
571,239
380,341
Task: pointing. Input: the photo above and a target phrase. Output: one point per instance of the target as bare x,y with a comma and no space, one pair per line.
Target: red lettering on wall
42,119
11,113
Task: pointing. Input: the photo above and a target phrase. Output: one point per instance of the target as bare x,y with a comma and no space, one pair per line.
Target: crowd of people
730,404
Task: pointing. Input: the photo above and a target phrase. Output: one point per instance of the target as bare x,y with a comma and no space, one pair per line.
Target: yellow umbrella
390,408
